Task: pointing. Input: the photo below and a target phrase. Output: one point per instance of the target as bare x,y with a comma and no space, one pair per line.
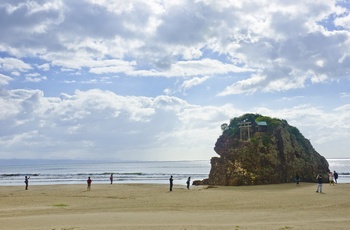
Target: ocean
156,172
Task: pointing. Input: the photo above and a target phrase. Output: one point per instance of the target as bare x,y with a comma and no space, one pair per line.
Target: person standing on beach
335,177
188,182
89,183
331,178
111,178
26,181
171,183
297,179
319,183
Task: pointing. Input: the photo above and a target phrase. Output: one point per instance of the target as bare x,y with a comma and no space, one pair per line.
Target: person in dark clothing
188,182
89,183
26,181
297,179
111,178
171,183
335,174
319,183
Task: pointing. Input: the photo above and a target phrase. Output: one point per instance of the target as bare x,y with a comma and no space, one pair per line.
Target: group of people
332,177
171,183
89,181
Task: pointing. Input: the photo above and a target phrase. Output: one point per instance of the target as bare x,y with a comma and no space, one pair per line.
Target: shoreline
152,206
116,182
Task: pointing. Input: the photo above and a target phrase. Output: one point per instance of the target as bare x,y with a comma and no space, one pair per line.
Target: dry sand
145,206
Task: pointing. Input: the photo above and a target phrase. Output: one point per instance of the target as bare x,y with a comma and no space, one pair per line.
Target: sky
155,79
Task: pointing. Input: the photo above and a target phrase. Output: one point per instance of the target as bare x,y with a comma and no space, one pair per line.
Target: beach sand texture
152,206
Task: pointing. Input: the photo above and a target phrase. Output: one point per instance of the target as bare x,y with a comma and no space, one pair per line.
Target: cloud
193,82
98,124
34,77
112,66
255,52
181,68
345,95
247,86
44,67
11,64
343,21
292,98
276,40
95,123
193,68
4,80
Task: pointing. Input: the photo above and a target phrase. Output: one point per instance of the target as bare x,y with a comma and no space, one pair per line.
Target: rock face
255,150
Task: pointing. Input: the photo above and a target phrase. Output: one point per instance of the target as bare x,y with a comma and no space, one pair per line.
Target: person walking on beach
335,177
188,182
331,178
171,183
319,183
89,183
26,181
297,179
111,178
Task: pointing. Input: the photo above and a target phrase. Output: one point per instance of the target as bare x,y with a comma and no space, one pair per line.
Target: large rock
254,150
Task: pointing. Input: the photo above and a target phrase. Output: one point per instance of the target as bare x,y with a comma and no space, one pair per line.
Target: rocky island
256,149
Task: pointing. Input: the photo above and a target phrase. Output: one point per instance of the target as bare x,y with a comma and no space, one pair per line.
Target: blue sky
154,80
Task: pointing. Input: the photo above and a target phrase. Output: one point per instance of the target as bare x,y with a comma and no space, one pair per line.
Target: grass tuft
60,205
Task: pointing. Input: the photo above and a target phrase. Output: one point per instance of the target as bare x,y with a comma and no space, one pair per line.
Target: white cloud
270,38
247,86
343,21
113,125
292,98
193,68
10,64
44,67
345,95
193,82
252,50
15,73
112,66
95,123
35,78
4,80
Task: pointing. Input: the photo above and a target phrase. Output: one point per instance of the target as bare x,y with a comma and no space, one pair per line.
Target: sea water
157,172
342,167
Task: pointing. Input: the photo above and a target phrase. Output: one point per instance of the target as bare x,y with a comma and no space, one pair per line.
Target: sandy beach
152,206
